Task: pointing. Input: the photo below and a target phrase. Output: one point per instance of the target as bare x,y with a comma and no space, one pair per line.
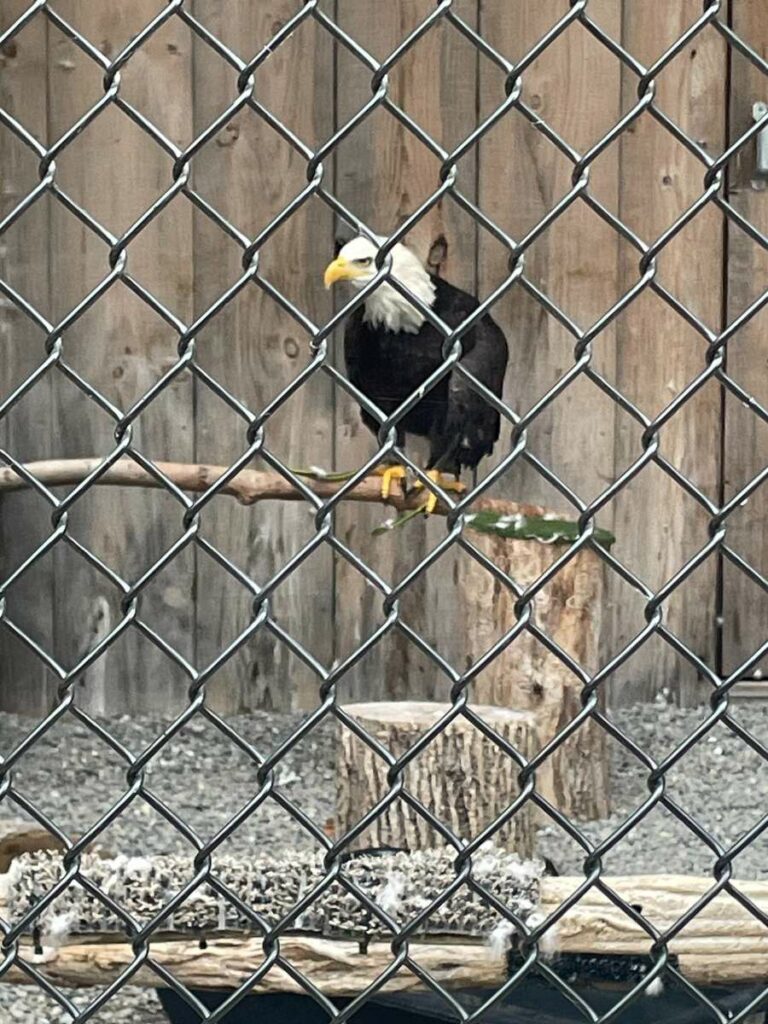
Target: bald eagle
390,350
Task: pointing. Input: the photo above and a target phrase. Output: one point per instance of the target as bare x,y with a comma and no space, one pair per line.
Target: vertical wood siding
745,450
253,348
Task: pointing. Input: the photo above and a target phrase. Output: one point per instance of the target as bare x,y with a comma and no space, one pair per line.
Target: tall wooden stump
462,777
526,676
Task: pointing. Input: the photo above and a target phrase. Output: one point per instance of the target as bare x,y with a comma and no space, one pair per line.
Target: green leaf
318,473
547,529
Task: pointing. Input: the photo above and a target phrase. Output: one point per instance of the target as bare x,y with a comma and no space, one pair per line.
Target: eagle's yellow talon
453,485
446,482
388,474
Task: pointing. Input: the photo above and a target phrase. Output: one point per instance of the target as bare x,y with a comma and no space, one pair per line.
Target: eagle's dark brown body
388,366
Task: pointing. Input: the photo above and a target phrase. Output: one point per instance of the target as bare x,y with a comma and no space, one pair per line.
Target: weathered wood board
26,431
575,87
745,605
383,173
121,348
254,349
657,525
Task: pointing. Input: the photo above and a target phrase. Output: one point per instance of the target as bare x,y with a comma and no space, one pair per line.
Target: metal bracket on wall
759,110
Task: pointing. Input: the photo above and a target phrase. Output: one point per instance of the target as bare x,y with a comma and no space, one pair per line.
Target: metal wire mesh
54,358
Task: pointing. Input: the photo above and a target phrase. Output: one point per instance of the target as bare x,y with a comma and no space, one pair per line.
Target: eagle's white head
385,306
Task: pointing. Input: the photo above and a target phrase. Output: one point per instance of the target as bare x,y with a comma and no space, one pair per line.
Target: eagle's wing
355,341
470,426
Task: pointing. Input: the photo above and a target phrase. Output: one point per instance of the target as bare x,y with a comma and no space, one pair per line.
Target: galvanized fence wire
53,360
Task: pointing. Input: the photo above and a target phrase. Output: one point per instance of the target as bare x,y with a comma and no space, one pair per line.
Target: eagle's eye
365,261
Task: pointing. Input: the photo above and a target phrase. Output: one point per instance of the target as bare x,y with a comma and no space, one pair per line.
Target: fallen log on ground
343,948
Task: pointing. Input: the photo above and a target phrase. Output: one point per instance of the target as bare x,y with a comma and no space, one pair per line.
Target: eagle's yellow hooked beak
339,270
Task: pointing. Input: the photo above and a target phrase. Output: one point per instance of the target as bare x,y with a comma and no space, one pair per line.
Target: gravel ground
200,776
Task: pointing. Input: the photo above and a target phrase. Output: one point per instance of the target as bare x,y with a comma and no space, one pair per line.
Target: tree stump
462,777
526,676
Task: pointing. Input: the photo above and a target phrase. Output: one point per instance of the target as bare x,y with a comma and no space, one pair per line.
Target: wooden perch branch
248,487
508,519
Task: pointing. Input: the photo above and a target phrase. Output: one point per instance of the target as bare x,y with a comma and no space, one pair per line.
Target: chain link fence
53,360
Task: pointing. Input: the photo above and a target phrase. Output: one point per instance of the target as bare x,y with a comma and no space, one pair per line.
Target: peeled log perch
209,943
723,943
462,777
337,968
78,941
526,676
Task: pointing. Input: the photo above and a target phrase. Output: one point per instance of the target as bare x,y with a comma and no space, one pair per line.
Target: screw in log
526,676
462,777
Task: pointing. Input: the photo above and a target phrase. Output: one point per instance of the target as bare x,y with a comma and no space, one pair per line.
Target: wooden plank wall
745,606
253,348
573,86
121,348
657,524
26,431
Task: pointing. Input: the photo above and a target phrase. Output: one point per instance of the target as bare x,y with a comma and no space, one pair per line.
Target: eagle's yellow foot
388,474
448,483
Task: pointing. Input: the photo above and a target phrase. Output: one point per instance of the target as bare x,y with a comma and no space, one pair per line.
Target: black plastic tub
534,1002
